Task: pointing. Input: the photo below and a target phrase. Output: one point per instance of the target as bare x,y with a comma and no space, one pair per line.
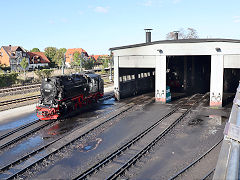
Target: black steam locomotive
62,95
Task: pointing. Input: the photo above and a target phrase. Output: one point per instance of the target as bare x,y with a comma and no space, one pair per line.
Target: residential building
99,58
12,56
70,54
37,59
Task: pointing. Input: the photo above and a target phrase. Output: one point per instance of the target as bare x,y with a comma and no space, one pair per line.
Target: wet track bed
80,146
190,139
70,161
101,142
45,135
8,124
58,129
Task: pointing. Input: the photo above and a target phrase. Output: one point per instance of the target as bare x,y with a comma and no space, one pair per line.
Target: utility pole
81,59
111,60
63,62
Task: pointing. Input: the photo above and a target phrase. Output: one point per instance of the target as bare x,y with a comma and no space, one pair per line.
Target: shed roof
176,41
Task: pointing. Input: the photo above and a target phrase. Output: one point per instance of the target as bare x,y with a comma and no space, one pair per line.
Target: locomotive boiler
63,95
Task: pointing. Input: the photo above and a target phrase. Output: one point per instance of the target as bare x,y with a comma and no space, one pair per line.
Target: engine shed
200,65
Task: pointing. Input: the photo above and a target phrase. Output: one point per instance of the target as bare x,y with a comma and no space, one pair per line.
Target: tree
50,52
88,63
77,60
190,33
24,65
105,61
44,73
59,56
35,50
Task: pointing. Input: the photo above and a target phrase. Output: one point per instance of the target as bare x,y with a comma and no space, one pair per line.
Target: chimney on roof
175,35
148,35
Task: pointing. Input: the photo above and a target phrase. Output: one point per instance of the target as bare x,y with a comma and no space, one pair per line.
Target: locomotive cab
95,83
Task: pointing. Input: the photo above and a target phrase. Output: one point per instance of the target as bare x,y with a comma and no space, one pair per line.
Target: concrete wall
150,57
216,80
232,61
116,77
137,61
160,79
177,49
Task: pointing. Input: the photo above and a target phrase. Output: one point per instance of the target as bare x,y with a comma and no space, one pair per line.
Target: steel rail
212,171
12,141
124,147
131,161
19,171
4,103
7,102
194,162
19,86
28,155
18,129
33,130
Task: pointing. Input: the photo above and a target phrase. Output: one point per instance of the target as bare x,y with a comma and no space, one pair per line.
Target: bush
8,79
44,73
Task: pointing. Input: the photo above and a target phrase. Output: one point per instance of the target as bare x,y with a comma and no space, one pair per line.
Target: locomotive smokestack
148,35
175,35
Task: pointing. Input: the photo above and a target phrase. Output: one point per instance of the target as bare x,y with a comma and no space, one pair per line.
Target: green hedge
44,73
8,79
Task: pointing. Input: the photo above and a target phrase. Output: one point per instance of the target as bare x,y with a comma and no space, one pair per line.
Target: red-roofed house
37,59
70,52
98,58
11,56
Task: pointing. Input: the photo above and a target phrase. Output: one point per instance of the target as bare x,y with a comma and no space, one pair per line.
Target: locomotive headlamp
46,79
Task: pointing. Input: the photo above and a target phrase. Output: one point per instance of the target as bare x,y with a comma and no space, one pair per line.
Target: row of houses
11,56
70,53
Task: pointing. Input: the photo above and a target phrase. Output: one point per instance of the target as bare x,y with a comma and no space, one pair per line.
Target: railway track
19,90
120,160
16,86
181,172
25,89
209,174
17,129
18,100
13,169
16,134
21,132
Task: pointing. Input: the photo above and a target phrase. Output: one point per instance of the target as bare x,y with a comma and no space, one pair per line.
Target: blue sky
97,25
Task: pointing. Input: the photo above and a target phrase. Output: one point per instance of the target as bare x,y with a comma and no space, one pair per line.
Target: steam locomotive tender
63,95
